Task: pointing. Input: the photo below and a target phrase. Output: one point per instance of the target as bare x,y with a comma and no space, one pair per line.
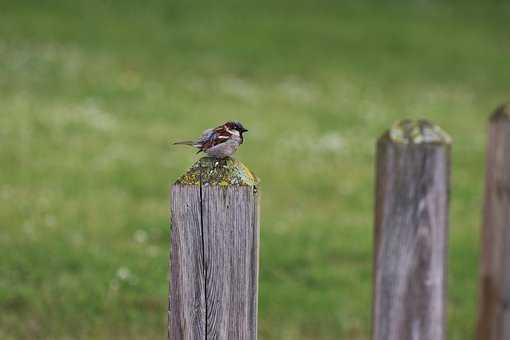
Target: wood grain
215,254
187,284
494,305
231,261
411,222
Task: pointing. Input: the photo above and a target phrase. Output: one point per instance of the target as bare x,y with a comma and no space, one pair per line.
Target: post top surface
501,113
419,131
222,172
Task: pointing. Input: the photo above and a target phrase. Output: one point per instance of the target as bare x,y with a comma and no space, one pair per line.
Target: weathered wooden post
411,228
494,304
215,252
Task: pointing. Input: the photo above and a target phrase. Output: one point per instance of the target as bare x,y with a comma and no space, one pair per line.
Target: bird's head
236,126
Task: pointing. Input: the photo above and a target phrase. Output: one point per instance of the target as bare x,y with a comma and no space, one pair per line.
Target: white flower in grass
124,274
140,236
94,116
331,142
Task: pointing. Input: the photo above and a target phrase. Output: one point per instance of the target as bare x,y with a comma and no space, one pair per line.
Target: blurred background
92,92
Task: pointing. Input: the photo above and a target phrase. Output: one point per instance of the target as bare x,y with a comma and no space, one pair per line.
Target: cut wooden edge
501,113
220,172
419,131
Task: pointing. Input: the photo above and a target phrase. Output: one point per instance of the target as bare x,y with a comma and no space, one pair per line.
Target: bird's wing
206,135
213,137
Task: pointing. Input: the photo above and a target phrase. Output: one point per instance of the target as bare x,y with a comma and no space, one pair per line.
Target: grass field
91,93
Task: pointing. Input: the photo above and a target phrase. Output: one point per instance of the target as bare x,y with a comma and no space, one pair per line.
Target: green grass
92,91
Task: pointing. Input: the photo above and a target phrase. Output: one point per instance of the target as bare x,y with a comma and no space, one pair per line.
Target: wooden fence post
411,232
494,296
215,253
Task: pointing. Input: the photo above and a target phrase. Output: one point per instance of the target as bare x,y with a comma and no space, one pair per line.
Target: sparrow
220,142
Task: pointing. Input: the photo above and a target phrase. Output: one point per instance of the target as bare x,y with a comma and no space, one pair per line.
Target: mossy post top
416,132
501,113
221,172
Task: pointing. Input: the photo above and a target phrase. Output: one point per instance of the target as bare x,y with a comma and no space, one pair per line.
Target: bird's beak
244,130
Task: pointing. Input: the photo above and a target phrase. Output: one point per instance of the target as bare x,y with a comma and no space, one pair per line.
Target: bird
219,142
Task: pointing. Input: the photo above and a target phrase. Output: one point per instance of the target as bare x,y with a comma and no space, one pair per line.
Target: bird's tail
186,142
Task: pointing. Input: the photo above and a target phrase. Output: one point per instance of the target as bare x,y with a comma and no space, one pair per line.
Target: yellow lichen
417,132
222,172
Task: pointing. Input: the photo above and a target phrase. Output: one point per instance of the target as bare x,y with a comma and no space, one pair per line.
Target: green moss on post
220,172
417,132
501,113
